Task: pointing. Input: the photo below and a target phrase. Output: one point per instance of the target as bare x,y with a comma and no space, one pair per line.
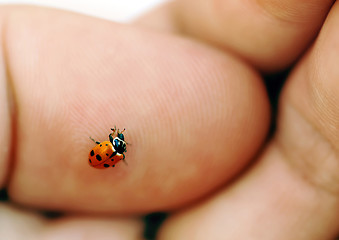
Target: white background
116,10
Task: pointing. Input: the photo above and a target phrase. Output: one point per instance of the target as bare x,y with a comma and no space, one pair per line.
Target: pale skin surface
196,115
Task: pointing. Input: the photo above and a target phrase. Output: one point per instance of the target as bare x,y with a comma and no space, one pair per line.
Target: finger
293,191
5,124
270,34
274,201
22,224
185,109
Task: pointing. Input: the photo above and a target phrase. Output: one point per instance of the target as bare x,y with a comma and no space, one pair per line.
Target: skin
190,95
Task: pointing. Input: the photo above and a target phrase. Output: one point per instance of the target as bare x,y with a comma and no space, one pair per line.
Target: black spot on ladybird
100,145
107,154
90,160
92,153
106,144
106,165
98,157
113,165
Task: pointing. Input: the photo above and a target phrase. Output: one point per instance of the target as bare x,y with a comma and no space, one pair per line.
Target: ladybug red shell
108,153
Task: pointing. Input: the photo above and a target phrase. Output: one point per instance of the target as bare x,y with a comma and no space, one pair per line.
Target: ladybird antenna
121,131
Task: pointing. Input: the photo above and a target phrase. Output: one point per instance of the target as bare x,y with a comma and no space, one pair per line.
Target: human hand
195,116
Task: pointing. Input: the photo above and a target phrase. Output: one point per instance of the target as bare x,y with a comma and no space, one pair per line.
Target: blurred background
115,10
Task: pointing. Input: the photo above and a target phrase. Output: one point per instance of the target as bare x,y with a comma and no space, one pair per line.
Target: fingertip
189,111
270,35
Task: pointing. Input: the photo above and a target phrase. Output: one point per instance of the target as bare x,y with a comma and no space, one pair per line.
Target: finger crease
317,163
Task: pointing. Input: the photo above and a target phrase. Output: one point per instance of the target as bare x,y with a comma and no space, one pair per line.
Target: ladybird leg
124,160
112,134
97,142
113,154
111,138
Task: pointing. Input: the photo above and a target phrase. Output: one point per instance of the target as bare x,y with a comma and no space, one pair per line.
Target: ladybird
108,153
